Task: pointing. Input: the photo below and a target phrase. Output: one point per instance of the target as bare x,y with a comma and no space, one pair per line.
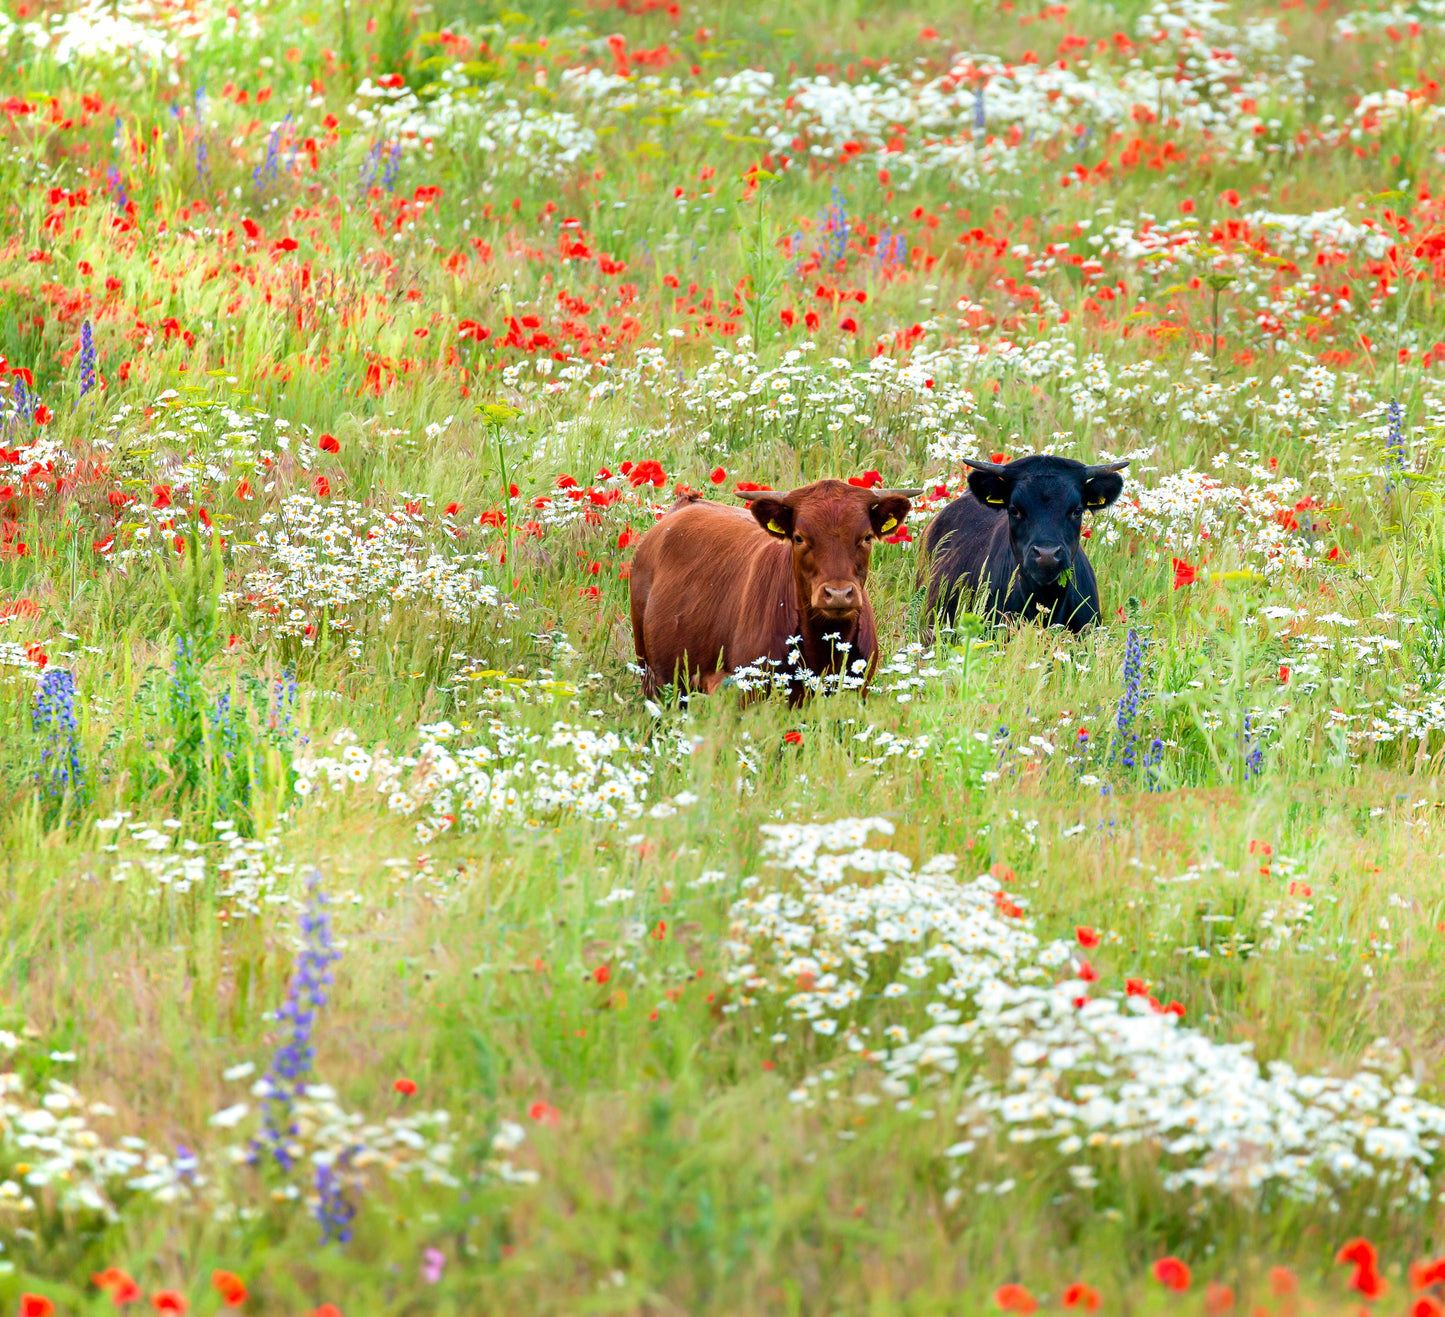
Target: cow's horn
901,493
1113,466
749,494
983,466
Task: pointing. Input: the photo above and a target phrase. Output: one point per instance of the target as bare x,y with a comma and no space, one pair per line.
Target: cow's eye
797,539
1016,513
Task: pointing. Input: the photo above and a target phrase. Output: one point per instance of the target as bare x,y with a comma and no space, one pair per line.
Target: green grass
1287,901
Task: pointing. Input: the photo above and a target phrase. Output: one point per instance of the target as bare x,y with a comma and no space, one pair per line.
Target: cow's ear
774,516
887,513
990,485
1103,484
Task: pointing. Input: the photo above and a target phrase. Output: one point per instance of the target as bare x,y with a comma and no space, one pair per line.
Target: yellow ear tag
889,524
994,502
1098,502
776,529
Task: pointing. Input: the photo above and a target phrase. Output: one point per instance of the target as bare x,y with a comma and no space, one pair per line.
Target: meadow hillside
370,945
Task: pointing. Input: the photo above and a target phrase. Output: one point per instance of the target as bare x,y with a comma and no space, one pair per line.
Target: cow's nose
1048,560
835,596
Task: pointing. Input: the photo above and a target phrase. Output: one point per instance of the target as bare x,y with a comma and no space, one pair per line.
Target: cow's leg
638,601
712,681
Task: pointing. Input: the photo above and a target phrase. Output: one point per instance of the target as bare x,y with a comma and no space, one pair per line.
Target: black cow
1013,540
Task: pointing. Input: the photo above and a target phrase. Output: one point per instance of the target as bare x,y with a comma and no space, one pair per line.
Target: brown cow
718,588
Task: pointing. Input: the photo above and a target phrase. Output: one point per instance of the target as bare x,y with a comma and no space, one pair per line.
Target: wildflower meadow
371,943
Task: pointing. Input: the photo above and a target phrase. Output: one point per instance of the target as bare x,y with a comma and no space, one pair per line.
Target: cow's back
966,547
709,584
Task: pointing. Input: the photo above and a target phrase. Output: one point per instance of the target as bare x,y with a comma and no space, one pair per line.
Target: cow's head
831,527
1045,499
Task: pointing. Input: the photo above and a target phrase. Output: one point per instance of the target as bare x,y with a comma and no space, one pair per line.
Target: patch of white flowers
337,562
970,987
465,777
513,136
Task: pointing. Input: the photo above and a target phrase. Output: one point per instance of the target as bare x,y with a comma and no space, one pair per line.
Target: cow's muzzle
837,599
1045,564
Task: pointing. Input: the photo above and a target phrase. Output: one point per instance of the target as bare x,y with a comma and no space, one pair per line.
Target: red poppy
1282,1281
1218,1298
647,472
162,494
322,486
544,1113
1370,1284
1426,1306
1184,574
1135,988
602,974
1014,1298
169,1301
1230,197
43,416
1086,973
1366,1278
1173,1274
848,325
327,444
1079,1295
1087,938
230,1287
718,475
326,1310
1283,675
244,490
1360,1252
792,738
35,1305
452,509
1425,1274
406,1087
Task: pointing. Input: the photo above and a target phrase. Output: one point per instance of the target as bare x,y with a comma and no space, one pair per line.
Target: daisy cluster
195,441
1188,509
249,876
55,1157
471,117
1378,21
342,564
321,1132
854,936
468,777
147,35
735,399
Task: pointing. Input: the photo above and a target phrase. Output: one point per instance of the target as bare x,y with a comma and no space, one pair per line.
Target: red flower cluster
1366,1278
